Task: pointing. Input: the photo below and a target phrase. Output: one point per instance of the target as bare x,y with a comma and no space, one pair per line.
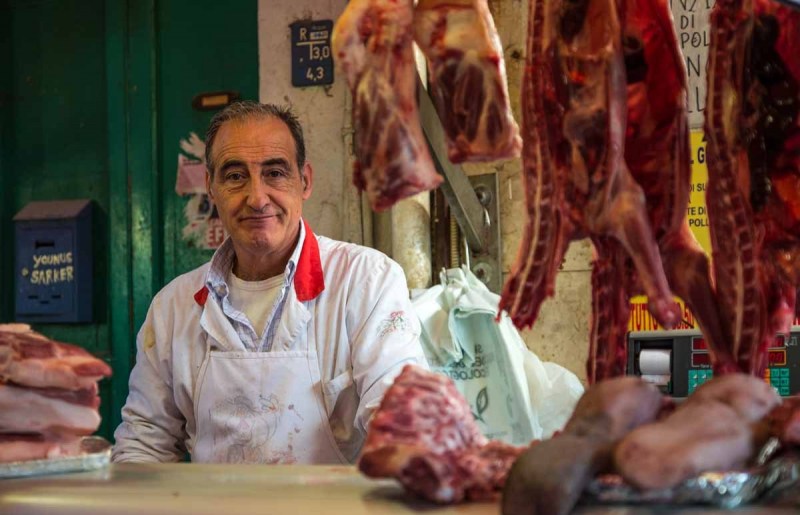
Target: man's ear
307,176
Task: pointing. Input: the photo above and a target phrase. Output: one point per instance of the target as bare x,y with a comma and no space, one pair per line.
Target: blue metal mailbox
53,269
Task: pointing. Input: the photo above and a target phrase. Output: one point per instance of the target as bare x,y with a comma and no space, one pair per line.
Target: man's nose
258,195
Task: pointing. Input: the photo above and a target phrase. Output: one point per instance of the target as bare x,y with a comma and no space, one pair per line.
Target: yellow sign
697,214
641,319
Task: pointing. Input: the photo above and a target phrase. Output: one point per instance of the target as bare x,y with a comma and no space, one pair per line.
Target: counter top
182,488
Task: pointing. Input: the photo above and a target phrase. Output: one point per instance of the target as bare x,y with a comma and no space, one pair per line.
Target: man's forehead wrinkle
252,154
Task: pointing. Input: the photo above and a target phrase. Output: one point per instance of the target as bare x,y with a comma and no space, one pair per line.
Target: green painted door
205,47
55,142
95,96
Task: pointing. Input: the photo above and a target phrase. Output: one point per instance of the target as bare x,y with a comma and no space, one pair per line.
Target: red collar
308,279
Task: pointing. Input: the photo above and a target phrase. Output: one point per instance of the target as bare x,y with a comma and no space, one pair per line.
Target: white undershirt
255,298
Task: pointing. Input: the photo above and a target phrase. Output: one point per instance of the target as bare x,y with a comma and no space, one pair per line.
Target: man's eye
234,176
275,173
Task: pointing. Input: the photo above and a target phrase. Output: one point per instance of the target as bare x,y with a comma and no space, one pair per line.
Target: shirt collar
304,268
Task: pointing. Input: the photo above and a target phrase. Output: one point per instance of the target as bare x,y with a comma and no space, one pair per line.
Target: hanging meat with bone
753,128
467,79
372,44
658,156
577,181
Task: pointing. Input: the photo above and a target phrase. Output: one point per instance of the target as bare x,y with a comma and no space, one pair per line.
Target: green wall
94,98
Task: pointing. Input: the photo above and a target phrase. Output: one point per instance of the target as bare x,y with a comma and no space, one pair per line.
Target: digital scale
678,361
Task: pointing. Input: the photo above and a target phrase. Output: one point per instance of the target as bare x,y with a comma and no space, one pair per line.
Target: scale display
679,361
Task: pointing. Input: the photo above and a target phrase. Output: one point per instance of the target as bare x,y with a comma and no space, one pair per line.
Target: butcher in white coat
278,349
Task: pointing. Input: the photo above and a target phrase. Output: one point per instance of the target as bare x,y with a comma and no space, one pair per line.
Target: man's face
257,186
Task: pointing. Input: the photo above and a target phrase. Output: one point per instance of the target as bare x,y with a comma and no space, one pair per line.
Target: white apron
260,407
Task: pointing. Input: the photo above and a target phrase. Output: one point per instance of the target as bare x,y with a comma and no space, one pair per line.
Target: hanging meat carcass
467,79
753,130
372,44
657,154
577,182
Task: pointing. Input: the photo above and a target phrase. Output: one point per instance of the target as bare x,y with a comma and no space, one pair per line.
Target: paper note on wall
697,215
691,18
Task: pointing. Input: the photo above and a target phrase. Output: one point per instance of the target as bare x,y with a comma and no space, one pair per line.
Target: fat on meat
372,44
30,359
467,79
48,410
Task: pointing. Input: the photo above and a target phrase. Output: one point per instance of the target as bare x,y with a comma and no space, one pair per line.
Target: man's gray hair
245,109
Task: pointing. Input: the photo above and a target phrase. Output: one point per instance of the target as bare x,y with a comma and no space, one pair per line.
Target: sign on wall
203,228
691,18
312,58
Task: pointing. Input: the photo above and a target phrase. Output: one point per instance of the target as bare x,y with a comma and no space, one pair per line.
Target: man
280,348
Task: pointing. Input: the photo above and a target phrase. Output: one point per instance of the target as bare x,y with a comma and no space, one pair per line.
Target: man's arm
152,428
384,336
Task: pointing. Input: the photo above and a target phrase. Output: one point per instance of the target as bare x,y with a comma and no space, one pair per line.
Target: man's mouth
256,218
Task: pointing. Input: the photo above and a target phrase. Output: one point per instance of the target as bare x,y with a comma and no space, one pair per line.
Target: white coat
348,302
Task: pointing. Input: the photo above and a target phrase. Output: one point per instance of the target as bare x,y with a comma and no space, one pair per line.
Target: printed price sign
312,59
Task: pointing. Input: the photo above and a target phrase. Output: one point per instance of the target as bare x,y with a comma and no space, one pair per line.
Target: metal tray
96,453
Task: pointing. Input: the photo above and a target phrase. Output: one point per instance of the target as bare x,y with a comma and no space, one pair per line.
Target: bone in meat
657,154
753,197
467,79
577,183
423,434
372,44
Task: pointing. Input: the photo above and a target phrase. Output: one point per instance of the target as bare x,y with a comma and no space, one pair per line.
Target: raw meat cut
549,478
48,395
715,429
467,79
372,44
657,153
696,438
784,421
48,411
577,182
24,447
751,397
752,122
423,434
475,474
31,359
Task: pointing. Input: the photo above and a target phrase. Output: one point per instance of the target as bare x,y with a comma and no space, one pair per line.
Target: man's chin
261,243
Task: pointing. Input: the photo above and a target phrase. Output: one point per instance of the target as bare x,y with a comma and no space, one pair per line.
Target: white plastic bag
514,396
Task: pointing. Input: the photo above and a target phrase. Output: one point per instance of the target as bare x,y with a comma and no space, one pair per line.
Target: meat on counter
48,395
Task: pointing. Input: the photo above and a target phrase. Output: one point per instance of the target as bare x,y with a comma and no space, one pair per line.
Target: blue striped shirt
221,265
